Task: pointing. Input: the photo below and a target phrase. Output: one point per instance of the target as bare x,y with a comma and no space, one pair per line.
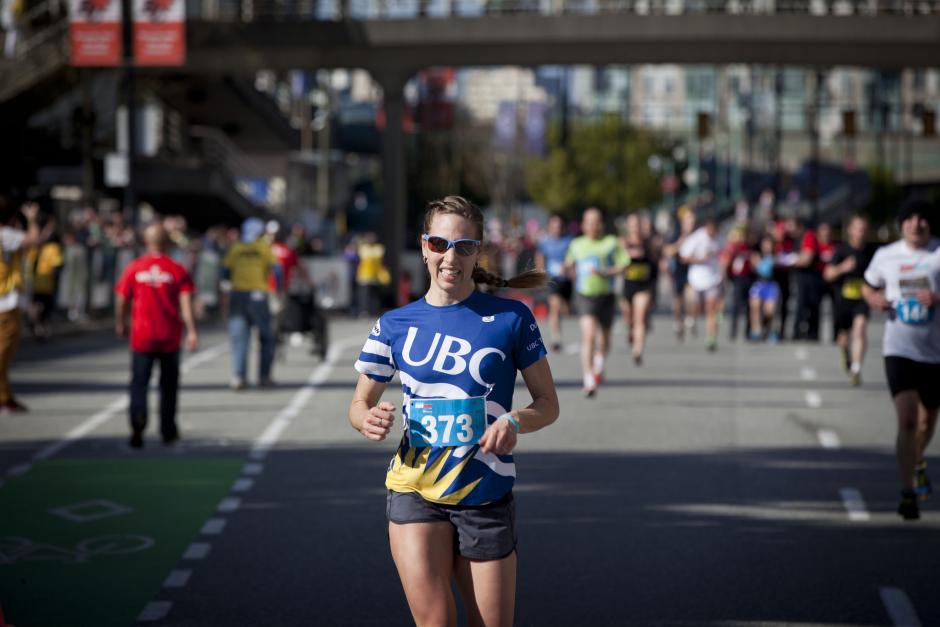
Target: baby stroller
302,316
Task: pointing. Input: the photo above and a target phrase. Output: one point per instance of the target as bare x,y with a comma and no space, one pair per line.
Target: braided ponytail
462,207
526,280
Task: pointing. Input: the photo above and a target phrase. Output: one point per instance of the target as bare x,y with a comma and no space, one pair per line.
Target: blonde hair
459,206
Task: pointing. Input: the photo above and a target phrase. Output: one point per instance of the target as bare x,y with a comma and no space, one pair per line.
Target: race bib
638,272
258,295
910,311
852,288
446,422
587,266
556,268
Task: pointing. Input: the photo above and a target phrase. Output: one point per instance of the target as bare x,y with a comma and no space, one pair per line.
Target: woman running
457,350
637,287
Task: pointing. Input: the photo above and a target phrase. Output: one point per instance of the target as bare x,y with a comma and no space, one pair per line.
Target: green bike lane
89,541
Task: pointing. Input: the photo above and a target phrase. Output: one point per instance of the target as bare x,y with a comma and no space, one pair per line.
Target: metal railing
221,153
331,10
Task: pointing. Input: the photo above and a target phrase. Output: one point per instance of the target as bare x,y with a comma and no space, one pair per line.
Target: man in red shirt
160,291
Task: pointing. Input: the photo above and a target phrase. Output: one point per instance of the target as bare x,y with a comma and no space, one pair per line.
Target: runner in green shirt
596,259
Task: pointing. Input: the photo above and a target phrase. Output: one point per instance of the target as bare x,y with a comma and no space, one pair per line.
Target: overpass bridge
394,39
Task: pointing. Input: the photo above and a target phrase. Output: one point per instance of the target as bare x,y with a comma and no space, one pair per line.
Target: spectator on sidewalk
13,241
160,292
371,274
75,276
248,263
44,263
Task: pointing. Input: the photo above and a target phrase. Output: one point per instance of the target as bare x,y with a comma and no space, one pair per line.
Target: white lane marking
242,485
154,611
197,551
95,421
273,431
807,373
801,353
271,435
252,469
230,504
213,526
899,607
202,357
828,439
813,399
116,406
18,470
854,504
177,578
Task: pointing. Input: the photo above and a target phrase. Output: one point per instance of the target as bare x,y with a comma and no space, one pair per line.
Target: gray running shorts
483,532
599,307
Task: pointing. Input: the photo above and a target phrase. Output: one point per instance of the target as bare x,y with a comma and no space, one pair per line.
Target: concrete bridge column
394,192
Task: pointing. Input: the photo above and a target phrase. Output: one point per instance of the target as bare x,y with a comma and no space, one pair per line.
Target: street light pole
130,196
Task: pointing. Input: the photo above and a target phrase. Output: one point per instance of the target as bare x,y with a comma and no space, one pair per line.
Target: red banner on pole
159,32
95,32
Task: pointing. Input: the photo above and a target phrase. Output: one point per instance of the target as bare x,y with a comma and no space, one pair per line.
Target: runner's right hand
880,303
379,421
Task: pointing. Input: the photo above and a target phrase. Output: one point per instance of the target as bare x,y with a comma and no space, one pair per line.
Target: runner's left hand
500,438
192,342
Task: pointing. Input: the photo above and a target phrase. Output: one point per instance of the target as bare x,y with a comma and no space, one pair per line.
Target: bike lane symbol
15,549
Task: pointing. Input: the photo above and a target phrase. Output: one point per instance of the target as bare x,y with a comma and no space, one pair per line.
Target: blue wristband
515,423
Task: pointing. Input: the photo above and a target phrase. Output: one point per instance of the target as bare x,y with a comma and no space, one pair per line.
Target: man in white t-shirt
700,251
13,241
903,279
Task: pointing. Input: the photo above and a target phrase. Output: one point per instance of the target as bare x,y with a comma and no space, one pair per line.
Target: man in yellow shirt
44,262
247,265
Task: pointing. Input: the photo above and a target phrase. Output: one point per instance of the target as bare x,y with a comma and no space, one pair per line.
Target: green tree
604,164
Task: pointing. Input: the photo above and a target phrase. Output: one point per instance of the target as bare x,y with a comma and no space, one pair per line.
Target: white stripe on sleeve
379,370
377,348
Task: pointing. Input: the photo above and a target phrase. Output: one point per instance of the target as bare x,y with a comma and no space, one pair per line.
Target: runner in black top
846,272
637,287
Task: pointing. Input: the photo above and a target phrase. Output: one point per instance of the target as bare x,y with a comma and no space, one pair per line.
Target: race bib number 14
446,422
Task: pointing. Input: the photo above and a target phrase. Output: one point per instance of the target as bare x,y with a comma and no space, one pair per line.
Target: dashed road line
197,551
18,470
899,607
828,439
155,611
242,485
213,527
801,353
813,399
177,579
252,468
854,505
808,373
264,443
229,504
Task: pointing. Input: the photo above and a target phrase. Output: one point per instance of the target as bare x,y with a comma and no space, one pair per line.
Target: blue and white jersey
471,349
554,250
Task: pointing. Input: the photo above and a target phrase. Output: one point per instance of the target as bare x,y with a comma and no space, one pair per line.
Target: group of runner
706,270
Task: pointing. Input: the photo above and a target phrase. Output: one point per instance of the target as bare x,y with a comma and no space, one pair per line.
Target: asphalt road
752,486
